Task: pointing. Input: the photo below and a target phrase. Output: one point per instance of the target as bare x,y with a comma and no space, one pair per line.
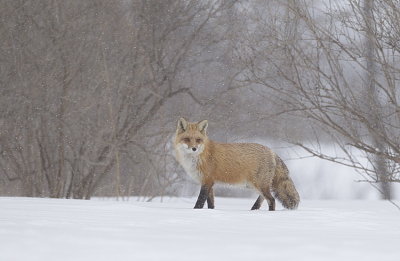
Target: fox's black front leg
204,192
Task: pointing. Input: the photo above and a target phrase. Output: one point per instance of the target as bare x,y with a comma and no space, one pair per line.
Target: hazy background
91,91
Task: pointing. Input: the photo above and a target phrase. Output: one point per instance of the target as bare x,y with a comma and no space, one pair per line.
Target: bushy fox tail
283,186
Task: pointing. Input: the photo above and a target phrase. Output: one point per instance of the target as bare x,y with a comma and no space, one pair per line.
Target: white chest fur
189,162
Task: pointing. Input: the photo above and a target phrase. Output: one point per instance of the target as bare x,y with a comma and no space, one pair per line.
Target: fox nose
194,149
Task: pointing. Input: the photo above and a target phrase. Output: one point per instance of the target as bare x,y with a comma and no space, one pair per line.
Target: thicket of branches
336,65
84,85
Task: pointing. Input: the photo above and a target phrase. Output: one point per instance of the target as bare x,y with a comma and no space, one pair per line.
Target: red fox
249,164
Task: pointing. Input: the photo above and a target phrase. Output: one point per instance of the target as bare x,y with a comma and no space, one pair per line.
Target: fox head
190,136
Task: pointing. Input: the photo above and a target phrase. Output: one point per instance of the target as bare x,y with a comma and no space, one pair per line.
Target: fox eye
198,140
186,139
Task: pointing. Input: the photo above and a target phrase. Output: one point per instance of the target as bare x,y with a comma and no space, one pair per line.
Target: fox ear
182,125
202,126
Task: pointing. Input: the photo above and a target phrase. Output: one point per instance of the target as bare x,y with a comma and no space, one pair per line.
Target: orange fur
249,164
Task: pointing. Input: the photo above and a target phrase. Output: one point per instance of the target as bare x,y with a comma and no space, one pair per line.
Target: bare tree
84,91
340,73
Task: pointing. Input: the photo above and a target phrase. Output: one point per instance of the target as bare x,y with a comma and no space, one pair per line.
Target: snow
54,229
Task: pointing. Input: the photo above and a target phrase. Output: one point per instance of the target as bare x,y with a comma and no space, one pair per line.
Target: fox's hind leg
210,199
270,199
258,203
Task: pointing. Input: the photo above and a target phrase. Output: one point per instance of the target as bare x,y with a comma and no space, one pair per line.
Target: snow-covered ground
52,229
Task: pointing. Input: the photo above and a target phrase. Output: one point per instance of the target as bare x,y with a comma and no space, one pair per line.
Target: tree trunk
373,104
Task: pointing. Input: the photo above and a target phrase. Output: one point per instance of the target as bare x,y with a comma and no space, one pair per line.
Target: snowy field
53,229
